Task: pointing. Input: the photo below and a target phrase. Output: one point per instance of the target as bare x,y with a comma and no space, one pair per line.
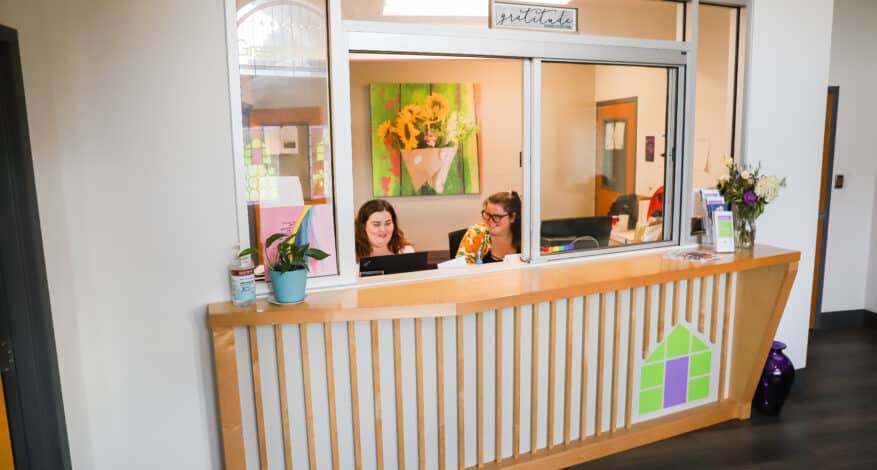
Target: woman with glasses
499,233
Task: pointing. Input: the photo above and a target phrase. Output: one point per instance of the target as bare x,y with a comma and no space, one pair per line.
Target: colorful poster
317,229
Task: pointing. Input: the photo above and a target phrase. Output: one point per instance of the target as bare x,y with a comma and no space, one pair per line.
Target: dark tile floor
829,420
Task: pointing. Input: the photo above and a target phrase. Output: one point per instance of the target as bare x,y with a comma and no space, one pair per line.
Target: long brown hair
511,202
363,247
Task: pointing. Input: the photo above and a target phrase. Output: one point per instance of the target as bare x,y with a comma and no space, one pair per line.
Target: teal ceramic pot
289,287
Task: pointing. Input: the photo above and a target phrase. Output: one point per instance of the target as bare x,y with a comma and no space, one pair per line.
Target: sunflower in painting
427,124
435,107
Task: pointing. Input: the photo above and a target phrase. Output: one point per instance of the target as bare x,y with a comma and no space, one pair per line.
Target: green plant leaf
273,238
248,252
316,254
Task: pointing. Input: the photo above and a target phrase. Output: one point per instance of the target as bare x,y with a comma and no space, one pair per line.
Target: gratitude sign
538,17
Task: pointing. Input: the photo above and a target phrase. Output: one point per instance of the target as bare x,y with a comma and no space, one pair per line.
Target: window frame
348,36
672,170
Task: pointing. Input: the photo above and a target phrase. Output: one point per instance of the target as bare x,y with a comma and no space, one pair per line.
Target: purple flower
750,198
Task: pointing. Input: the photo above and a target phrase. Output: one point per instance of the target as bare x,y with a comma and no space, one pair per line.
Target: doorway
616,151
824,202
28,362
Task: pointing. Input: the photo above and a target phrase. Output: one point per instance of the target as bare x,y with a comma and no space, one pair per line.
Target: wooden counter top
473,292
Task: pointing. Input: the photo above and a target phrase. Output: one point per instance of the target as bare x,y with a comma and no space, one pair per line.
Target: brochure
723,222
701,256
711,201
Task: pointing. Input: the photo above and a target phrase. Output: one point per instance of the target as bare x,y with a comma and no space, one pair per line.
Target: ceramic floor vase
776,381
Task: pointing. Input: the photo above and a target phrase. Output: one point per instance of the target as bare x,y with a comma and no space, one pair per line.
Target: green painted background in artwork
410,93
469,148
382,158
451,91
464,173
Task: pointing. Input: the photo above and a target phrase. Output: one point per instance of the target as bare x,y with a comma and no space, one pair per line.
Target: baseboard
860,318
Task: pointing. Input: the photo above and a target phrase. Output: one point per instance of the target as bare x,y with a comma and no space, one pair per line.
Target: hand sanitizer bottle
242,279
478,259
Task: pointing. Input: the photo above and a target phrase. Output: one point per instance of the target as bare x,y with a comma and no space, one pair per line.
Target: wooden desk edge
223,314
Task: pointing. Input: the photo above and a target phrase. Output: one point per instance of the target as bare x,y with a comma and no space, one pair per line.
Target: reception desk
539,366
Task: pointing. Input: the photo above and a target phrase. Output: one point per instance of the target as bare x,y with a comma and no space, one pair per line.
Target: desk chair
575,228
454,239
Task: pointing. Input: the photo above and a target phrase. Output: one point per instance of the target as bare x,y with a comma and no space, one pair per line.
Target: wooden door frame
28,357
826,177
597,157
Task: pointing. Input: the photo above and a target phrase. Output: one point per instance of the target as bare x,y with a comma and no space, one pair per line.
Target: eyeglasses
496,218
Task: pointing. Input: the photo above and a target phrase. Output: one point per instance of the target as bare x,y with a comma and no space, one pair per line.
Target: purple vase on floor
776,381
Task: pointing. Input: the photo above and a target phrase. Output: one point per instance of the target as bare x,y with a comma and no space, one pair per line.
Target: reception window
434,136
595,132
603,155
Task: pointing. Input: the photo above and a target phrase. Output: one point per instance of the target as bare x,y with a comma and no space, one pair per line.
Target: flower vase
776,381
744,230
429,166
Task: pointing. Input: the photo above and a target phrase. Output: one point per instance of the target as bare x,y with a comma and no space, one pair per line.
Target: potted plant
427,136
289,271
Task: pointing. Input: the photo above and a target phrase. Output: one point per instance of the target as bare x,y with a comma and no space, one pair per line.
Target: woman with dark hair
377,231
500,232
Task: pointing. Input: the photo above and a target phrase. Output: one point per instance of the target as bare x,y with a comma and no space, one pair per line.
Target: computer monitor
393,264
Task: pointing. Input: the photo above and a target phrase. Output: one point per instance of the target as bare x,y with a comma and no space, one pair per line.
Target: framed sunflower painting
425,139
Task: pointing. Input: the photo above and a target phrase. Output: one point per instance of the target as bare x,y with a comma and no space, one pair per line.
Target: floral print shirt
477,238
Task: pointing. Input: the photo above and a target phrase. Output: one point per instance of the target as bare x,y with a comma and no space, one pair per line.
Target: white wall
568,141
712,114
649,86
130,129
785,114
850,234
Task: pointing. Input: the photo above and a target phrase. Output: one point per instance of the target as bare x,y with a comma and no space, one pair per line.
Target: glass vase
776,381
744,230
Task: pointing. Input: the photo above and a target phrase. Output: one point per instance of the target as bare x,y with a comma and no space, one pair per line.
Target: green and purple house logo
677,372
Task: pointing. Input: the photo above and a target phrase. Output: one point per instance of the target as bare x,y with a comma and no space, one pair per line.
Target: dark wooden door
28,362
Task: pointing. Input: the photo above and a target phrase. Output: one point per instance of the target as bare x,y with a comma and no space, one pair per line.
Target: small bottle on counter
242,278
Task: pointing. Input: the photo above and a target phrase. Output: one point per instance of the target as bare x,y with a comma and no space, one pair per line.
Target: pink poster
319,232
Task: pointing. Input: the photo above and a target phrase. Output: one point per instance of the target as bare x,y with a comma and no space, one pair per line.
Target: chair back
454,239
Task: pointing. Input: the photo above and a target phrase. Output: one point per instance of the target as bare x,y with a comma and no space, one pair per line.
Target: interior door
28,363
616,151
824,202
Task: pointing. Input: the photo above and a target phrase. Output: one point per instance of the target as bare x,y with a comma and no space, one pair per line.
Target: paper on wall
609,135
277,191
272,139
289,140
619,135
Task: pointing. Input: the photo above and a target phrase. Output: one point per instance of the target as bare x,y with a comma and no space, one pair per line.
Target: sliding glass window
602,151
433,137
